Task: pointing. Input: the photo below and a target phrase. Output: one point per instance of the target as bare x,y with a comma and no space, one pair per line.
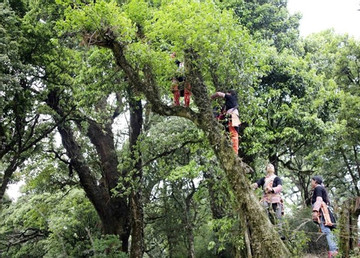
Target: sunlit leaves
138,11
226,49
98,18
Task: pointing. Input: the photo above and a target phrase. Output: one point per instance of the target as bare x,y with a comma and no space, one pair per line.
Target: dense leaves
125,165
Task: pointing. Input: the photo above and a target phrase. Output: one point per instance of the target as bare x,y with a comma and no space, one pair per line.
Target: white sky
318,15
13,190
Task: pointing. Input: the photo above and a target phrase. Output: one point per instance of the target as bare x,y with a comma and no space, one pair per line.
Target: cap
318,179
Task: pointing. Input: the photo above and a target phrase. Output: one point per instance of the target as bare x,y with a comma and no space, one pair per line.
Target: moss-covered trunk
136,203
265,241
348,225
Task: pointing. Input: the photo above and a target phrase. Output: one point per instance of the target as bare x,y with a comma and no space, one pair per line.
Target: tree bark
189,222
348,222
136,203
350,170
264,239
113,211
170,234
7,175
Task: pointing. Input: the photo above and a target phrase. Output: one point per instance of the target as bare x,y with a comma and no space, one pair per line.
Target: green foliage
335,57
138,11
62,228
300,100
23,120
283,116
226,50
97,79
103,15
108,246
268,20
302,234
227,231
172,187
181,21
297,239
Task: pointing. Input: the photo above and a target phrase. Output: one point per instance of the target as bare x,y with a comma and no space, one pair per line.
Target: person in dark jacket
230,112
320,214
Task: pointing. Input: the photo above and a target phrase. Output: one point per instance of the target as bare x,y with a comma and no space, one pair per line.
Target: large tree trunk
264,239
171,229
136,203
189,224
189,232
348,221
113,211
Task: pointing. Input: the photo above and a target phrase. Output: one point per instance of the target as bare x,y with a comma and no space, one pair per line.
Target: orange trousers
234,135
187,94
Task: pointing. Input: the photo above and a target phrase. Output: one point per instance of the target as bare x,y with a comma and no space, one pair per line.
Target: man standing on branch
321,213
271,200
230,114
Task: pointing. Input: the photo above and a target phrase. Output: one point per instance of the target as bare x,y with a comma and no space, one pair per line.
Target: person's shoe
332,253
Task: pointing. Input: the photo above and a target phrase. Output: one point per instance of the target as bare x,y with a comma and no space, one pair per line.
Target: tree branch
350,171
28,235
171,151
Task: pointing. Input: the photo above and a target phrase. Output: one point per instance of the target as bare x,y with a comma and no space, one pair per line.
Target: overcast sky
318,15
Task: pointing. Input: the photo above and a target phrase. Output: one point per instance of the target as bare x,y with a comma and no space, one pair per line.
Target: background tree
268,20
342,168
24,123
55,72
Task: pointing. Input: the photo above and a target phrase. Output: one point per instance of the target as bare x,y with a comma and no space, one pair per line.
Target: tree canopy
112,168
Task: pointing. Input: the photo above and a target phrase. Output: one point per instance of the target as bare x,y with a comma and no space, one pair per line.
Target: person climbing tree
229,115
180,87
321,214
272,201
